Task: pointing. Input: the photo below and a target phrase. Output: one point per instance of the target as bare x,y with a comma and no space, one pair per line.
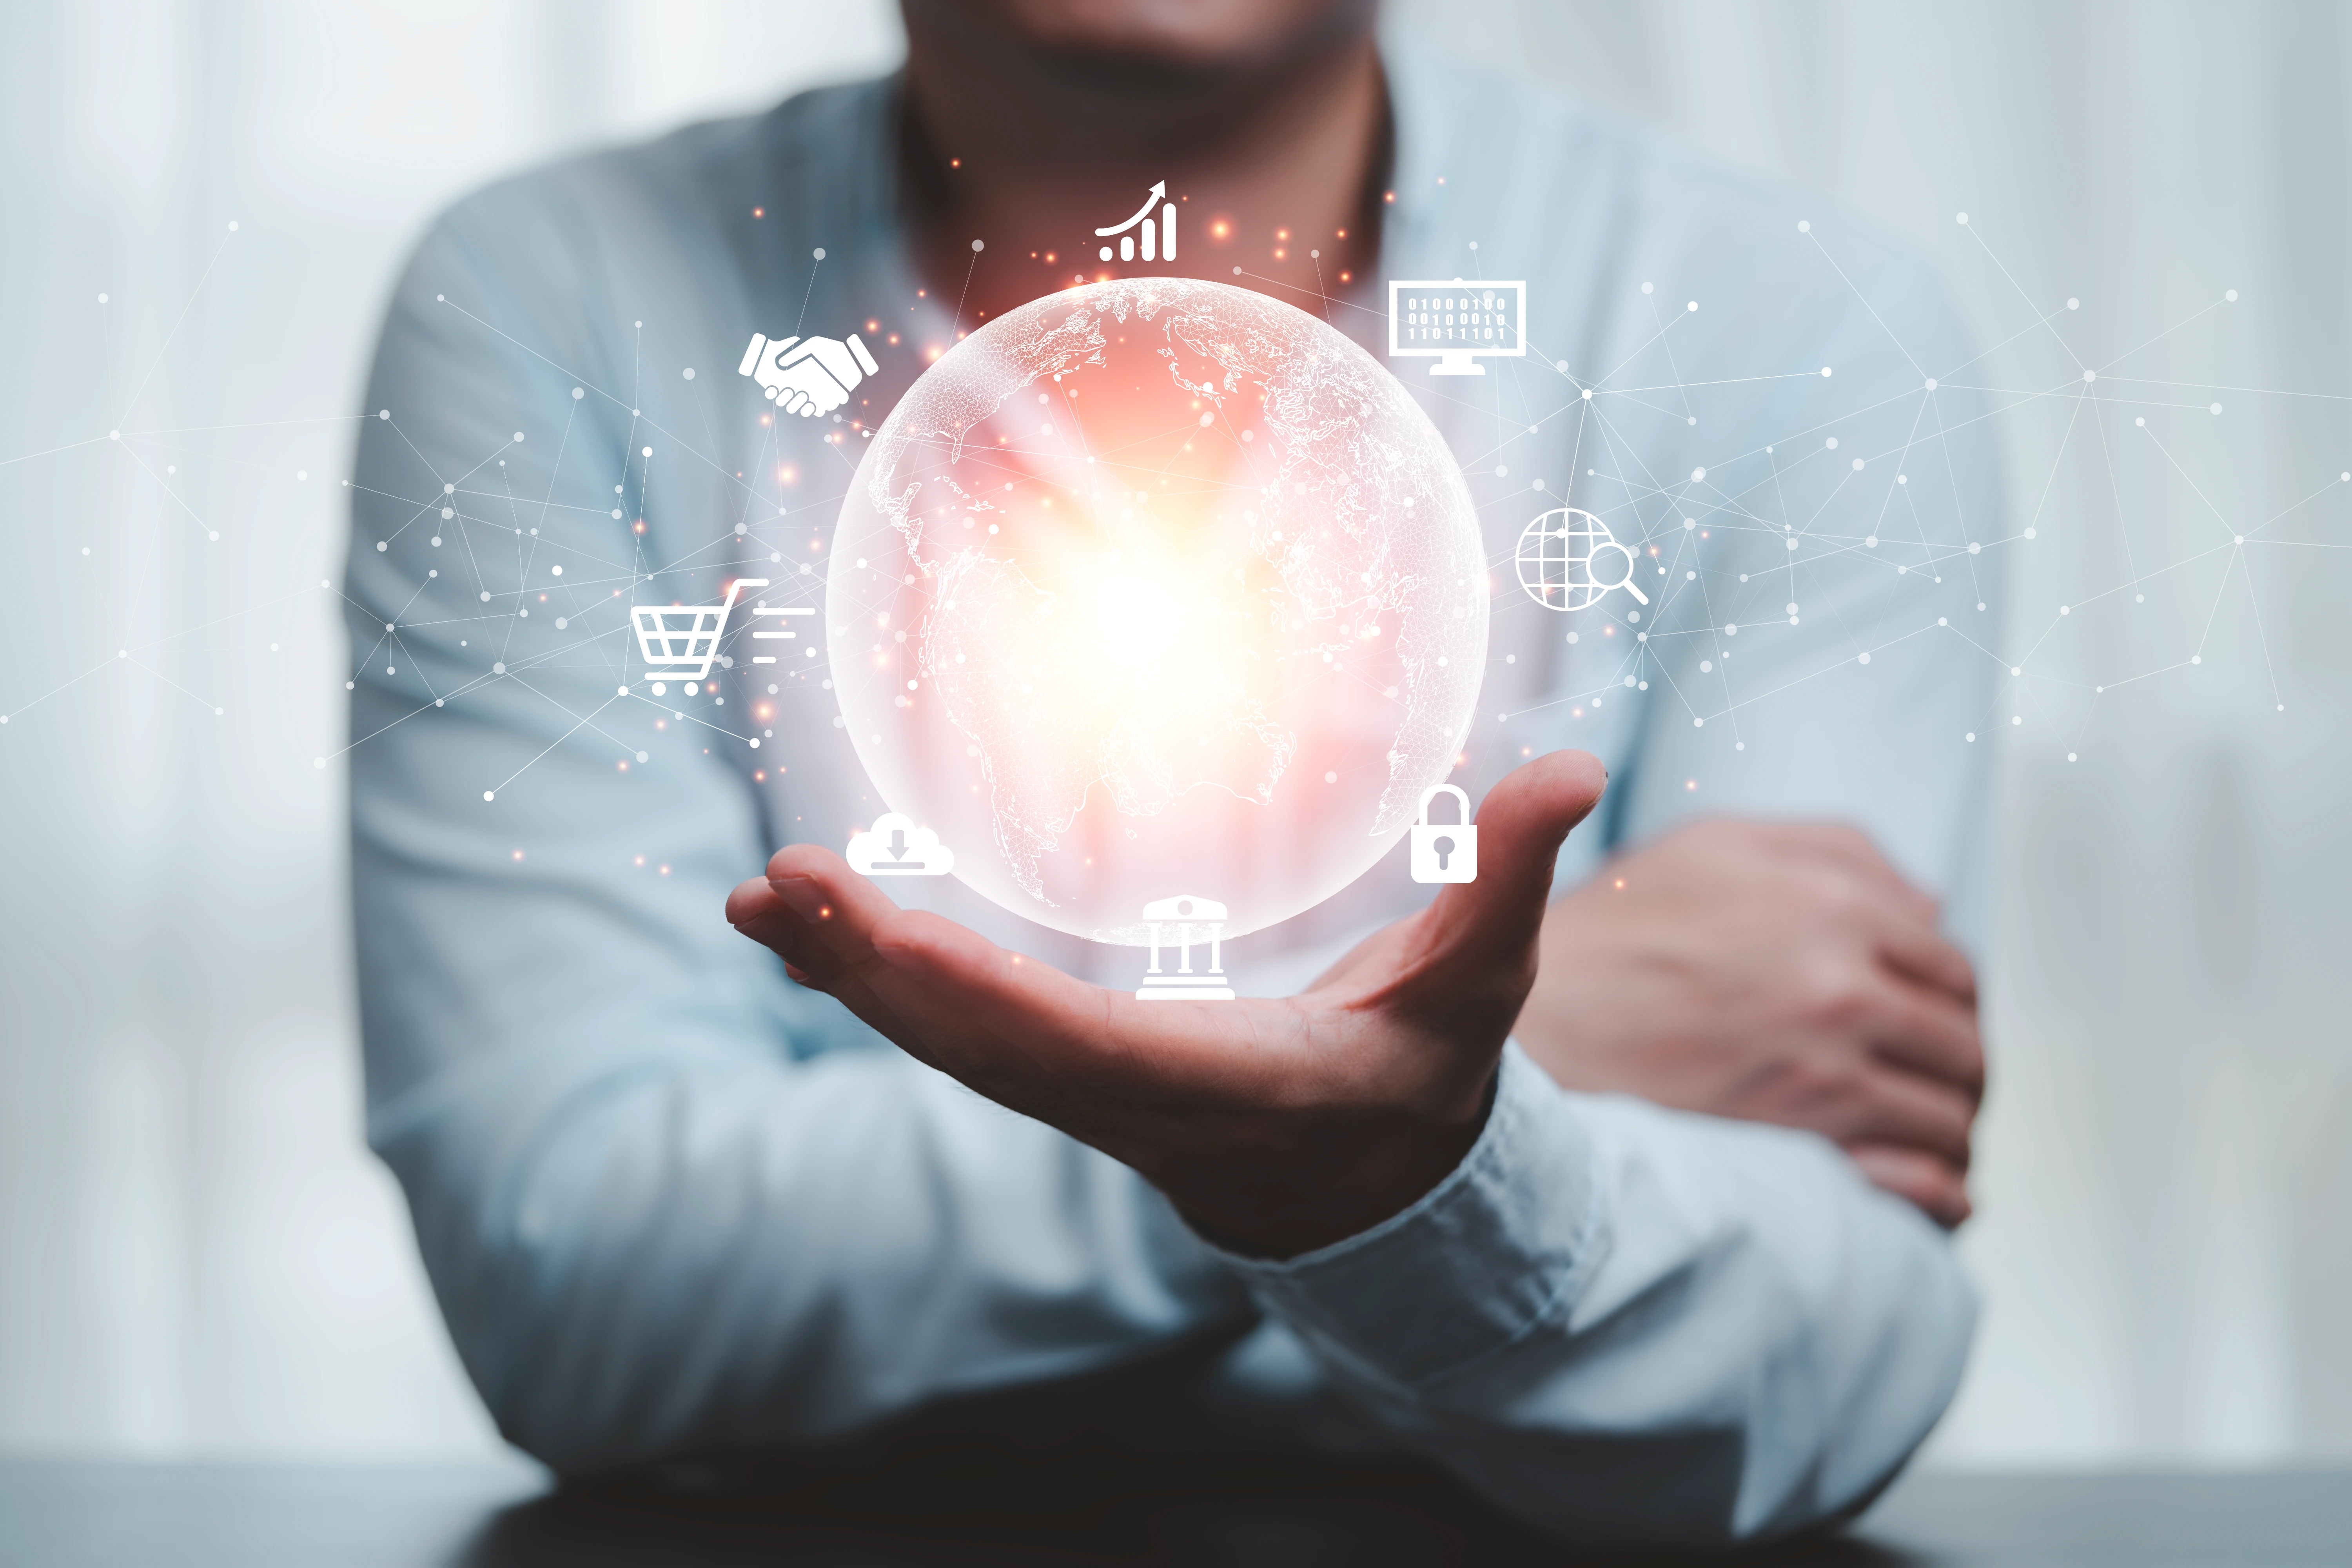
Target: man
679,1200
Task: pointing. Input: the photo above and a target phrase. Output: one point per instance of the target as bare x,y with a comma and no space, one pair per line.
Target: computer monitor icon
1457,322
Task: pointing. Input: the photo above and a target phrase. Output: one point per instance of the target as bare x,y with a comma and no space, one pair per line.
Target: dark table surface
110,1514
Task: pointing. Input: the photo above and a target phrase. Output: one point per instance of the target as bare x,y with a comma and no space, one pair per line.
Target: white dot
518,435
1731,629
489,795
690,373
1975,547
1973,734
1931,384
232,225
1588,394
1865,658
317,762
1961,218
1831,444
616,511
2065,609
1692,306
577,394
2195,659
2142,420
645,451
1857,465
114,435
381,545
1804,226
818,253
2230,295
1502,470
1649,288
2074,304
447,512
2017,717
1332,778
1827,372
645,756
2089,376
1696,474
486,596
1872,542
2032,533
2070,757
1698,723
2216,409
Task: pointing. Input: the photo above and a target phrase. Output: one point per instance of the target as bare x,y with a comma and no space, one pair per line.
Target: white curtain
197,1254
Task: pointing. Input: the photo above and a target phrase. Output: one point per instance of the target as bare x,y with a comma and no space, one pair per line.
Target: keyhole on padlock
1445,847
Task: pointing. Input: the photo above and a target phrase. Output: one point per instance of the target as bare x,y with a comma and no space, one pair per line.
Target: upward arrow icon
1159,193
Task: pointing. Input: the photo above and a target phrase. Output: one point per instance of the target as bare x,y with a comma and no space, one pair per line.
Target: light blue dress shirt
675,1204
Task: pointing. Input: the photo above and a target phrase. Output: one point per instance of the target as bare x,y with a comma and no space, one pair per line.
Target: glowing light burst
1131,573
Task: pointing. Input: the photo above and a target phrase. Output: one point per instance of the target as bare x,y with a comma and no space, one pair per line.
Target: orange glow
1621,884
873,326
1344,276
640,525
1282,234
758,212
955,162
1219,228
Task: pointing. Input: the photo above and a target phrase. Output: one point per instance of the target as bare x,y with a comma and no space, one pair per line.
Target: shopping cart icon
681,641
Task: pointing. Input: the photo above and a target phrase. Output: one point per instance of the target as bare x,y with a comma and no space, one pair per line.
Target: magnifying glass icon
1594,577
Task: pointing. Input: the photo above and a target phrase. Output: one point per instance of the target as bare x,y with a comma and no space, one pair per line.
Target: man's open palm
1277,1125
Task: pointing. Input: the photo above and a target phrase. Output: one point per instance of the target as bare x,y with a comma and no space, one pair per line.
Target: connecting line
169,682
575,729
2055,336
2190,483
165,346
168,490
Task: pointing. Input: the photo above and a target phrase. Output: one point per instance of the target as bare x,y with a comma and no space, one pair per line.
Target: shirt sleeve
668,1200
1623,1323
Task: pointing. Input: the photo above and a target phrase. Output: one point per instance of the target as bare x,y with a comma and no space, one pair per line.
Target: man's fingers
1916,951
1909,1109
1936,1187
1929,1033
1474,926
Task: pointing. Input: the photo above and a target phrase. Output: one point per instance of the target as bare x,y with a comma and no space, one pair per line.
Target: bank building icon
1180,922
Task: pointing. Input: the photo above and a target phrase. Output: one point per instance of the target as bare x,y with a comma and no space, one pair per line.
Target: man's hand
1275,1126
1776,973
807,376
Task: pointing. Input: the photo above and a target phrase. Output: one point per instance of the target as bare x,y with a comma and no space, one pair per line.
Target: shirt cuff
1488,1253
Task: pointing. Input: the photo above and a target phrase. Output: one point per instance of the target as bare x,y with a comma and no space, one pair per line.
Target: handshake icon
807,376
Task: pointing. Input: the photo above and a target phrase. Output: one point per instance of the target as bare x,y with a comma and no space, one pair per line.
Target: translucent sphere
1157,588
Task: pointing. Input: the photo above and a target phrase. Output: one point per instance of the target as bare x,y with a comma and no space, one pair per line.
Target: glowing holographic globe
1151,588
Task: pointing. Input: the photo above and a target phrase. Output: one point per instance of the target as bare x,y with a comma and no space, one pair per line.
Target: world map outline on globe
1157,585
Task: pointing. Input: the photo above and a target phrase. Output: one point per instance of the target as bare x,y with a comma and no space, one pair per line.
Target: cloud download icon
895,846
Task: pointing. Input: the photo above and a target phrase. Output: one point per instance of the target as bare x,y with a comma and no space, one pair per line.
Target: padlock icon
1444,851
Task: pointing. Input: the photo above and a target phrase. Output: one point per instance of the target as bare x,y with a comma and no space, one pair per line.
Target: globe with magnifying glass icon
1568,560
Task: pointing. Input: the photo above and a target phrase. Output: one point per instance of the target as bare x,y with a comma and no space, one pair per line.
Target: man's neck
1266,167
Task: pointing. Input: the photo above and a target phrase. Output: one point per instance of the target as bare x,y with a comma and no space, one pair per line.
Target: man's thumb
1522,823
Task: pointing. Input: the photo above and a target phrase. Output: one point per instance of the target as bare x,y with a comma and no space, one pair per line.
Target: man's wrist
1323,1194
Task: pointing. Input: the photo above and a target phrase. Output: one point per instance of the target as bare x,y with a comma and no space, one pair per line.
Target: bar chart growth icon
1158,237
